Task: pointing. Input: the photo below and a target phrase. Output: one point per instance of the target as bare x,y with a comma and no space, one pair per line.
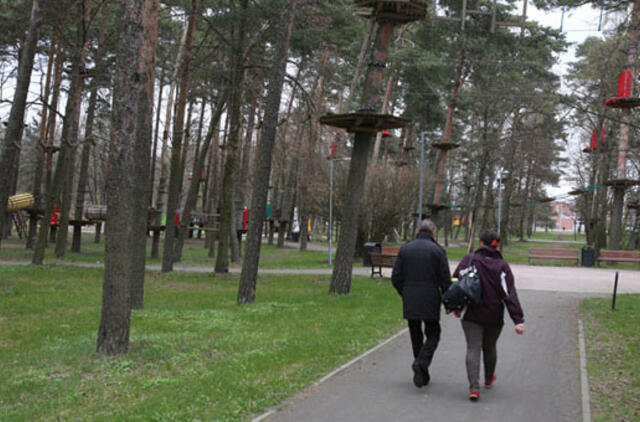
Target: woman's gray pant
483,338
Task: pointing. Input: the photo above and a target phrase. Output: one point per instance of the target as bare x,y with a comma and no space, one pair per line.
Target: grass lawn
194,354
194,253
613,353
272,257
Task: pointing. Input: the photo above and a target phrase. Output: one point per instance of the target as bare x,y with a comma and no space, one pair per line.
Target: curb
584,379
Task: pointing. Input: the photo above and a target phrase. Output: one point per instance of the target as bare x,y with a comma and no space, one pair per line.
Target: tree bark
67,145
231,148
194,186
144,131
73,119
341,277
88,138
132,82
51,124
42,141
249,274
154,148
616,228
11,145
176,144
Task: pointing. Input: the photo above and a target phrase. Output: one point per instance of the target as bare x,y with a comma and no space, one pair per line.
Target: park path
538,376
531,277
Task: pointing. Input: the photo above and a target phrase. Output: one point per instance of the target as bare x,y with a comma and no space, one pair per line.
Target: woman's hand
520,329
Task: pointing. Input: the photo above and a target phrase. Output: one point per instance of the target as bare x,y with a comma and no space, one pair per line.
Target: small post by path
615,292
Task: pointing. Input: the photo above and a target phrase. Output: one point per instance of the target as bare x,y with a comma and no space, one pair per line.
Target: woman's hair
490,238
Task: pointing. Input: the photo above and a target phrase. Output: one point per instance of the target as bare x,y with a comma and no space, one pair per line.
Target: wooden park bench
389,250
386,258
554,254
378,261
609,255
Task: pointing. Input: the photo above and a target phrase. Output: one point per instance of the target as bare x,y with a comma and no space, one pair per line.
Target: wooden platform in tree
363,122
400,11
445,146
623,102
622,183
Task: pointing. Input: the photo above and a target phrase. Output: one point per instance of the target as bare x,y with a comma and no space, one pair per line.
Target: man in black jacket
420,275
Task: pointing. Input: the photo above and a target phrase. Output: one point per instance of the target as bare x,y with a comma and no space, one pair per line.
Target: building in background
564,216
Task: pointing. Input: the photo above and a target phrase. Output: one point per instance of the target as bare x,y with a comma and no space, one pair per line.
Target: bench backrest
610,253
559,252
378,259
389,250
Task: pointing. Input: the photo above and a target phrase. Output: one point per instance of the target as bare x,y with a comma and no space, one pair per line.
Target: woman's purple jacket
498,289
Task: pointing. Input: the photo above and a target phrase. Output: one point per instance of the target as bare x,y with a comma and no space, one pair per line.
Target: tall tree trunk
482,165
154,148
194,186
67,145
616,228
231,148
248,277
11,145
387,95
139,18
448,128
88,138
42,141
144,131
51,124
358,70
176,144
164,170
73,120
341,277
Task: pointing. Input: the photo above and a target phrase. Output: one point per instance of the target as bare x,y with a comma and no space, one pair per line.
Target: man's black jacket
420,275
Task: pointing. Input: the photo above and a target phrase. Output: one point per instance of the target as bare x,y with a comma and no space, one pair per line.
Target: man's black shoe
420,375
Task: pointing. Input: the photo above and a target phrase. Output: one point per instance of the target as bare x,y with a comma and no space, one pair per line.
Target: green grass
194,254
194,353
272,257
613,353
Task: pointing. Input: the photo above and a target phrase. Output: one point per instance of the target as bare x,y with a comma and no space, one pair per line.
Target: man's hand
520,329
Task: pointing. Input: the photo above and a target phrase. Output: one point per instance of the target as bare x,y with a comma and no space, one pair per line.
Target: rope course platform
398,11
363,122
445,146
622,183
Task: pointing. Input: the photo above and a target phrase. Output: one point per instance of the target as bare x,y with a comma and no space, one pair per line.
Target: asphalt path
531,277
538,376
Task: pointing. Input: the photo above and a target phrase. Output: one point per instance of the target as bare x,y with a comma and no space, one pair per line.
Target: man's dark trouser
423,350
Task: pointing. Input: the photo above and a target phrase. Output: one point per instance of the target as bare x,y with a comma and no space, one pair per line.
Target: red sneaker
490,383
474,396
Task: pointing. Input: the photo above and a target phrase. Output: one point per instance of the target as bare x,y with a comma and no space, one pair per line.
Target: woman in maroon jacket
483,323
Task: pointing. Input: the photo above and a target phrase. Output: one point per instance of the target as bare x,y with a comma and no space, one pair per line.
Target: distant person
483,323
420,275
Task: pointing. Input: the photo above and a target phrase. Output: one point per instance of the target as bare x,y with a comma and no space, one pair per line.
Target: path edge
336,371
584,379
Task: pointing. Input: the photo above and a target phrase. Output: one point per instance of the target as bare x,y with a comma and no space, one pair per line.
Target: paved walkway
538,376
561,279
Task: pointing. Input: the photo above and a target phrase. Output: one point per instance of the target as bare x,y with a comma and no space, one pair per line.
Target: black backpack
467,290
